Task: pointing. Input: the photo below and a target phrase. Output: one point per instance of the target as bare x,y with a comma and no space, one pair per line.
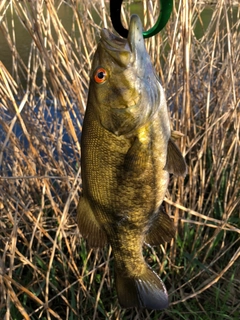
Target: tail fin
144,291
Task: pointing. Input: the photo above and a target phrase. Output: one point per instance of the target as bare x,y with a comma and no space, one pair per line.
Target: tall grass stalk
46,271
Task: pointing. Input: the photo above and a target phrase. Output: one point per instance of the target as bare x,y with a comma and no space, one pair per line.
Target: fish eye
100,75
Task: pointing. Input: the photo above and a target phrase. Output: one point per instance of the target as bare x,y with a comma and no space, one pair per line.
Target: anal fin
162,229
88,225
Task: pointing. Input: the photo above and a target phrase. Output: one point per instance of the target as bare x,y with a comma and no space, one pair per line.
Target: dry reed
46,272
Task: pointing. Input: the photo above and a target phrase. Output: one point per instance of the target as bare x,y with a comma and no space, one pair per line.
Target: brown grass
46,272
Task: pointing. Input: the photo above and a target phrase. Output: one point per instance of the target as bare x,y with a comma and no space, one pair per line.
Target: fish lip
113,42
135,36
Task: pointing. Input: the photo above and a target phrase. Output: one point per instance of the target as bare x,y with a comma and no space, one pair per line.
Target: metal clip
166,7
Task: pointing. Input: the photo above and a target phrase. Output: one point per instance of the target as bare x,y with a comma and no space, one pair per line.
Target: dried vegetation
46,271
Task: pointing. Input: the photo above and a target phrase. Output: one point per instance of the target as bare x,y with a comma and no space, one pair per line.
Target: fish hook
166,7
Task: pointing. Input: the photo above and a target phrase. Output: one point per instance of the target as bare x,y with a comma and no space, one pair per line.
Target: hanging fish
127,154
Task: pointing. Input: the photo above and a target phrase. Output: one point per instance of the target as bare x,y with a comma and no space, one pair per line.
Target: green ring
166,7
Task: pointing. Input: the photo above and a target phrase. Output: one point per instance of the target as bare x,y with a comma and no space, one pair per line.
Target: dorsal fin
175,162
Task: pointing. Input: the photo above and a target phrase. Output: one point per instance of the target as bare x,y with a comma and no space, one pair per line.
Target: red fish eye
100,75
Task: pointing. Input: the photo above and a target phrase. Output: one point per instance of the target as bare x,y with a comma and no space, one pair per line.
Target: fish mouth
134,41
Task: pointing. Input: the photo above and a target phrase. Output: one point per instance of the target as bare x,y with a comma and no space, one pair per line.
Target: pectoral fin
162,230
137,156
88,225
175,162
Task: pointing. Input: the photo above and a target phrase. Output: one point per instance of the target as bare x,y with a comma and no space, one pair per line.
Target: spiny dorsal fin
162,229
88,225
175,162
175,135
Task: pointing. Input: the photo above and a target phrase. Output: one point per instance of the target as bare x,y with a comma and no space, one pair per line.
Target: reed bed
46,270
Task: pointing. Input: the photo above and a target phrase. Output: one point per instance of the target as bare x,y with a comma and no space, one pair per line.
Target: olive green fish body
126,163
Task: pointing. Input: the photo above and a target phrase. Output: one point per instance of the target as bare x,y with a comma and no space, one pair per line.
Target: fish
127,154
